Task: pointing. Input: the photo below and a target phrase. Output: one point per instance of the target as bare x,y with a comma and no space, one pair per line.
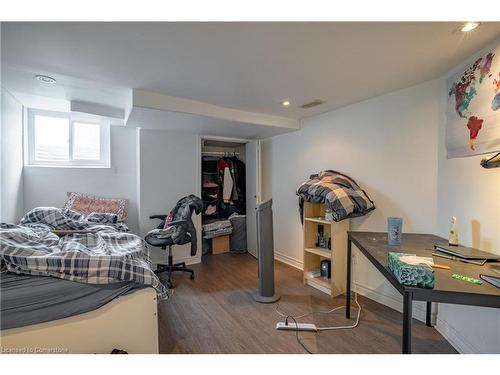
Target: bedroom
105,125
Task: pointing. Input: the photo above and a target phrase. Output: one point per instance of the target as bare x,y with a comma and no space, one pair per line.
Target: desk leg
407,316
348,282
428,312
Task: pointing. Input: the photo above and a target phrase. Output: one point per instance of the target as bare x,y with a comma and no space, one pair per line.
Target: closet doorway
230,190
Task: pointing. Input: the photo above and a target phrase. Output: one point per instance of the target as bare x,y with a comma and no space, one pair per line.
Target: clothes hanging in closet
238,196
226,180
223,186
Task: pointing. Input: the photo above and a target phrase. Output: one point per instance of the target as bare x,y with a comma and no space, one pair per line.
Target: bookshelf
314,215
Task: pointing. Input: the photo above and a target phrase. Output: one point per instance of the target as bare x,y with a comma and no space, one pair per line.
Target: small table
446,290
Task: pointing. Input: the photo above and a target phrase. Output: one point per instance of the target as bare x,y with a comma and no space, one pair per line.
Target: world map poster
473,109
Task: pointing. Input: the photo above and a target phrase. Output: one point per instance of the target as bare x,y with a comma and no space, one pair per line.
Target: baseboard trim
455,338
187,260
419,308
288,260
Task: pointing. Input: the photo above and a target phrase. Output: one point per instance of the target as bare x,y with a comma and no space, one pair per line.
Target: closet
224,194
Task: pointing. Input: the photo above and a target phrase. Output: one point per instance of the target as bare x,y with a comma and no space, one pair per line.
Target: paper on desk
415,260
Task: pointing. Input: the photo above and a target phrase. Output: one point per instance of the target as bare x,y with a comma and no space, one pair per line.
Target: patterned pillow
87,204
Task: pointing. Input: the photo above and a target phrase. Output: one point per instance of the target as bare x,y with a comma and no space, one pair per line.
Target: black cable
297,333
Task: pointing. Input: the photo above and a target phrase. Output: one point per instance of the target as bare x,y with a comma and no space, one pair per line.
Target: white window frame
103,162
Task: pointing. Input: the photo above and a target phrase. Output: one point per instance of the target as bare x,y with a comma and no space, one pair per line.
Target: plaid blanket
340,192
103,255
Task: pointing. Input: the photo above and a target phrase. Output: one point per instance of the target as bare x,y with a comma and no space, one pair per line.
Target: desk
446,290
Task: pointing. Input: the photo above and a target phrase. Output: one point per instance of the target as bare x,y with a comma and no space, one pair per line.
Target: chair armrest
161,217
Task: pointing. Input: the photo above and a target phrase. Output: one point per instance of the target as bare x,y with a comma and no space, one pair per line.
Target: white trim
225,139
288,260
258,191
394,301
105,141
198,218
453,336
201,138
188,260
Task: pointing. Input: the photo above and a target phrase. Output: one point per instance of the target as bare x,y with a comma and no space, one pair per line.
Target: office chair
177,228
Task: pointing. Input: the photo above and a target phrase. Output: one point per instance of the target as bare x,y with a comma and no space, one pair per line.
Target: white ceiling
246,66
32,93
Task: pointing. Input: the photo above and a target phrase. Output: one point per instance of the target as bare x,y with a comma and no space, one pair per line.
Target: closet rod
219,153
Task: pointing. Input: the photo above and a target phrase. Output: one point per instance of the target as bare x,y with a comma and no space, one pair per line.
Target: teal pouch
421,275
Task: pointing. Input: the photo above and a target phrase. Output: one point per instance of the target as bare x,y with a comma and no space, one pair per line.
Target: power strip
291,326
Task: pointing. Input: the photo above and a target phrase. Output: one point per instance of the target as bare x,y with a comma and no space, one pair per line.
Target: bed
127,323
88,292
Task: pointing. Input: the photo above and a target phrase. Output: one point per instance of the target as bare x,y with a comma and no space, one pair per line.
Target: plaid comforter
338,191
106,254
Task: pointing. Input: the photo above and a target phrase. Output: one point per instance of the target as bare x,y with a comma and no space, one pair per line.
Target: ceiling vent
314,103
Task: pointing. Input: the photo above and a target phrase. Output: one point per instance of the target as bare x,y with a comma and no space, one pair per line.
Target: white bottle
453,241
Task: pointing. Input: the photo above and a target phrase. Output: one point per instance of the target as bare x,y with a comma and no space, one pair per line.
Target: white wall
45,186
387,144
472,194
393,145
169,165
11,202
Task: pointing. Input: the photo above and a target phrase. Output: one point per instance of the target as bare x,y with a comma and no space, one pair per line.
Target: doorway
230,191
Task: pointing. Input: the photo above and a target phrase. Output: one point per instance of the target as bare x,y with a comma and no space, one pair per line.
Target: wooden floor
215,313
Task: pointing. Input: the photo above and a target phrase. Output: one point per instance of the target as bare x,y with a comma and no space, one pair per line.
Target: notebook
493,280
467,253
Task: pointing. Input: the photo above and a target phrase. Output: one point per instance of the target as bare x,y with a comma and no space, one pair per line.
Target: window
86,141
66,140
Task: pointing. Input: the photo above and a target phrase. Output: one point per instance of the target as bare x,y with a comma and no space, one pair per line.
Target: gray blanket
338,191
105,254
27,300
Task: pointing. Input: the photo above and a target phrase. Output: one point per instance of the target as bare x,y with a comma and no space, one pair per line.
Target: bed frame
129,323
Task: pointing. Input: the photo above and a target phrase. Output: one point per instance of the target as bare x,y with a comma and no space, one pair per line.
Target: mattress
27,300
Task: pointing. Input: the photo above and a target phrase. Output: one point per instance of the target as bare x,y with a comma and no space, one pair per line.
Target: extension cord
296,327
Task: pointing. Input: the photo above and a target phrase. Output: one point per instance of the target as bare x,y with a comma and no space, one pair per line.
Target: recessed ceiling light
285,103
45,79
469,26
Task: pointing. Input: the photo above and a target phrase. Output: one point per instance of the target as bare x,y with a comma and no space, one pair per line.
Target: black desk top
447,289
